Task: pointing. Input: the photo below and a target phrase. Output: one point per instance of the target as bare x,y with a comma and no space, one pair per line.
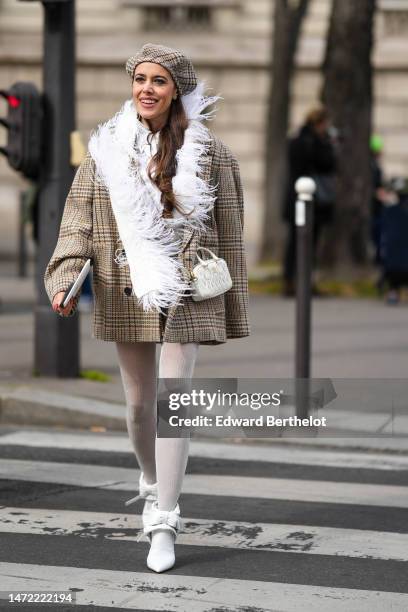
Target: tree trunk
288,18
347,92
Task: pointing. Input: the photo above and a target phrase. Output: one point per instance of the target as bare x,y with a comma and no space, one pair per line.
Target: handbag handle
205,261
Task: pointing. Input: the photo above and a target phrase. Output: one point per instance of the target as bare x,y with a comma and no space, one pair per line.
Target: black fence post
305,188
56,339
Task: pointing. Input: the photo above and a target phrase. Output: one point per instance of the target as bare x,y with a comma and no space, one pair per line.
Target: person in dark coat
311,152
394,242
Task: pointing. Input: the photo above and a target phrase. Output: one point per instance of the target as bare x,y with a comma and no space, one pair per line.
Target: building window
177,17
394,5
396,24
394,17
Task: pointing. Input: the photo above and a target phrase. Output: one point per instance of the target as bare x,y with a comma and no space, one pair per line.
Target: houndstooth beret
179,66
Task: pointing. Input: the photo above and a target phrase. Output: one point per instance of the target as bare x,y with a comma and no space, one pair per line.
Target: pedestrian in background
311,153
379,194
394,240
155,185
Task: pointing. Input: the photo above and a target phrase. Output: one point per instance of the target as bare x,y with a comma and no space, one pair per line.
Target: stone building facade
229,42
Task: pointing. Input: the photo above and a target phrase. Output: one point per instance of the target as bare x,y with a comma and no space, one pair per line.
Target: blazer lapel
205,172
188,233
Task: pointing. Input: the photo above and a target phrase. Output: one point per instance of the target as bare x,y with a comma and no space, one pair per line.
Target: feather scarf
150,245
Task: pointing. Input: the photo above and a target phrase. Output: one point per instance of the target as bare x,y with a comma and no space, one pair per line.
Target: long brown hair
164,163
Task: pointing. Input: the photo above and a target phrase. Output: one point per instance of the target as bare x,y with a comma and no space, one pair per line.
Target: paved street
276,529
274,525
351,339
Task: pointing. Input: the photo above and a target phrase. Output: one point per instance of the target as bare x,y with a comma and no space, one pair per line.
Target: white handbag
210,277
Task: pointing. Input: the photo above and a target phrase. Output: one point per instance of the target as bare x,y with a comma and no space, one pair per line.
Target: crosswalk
265,527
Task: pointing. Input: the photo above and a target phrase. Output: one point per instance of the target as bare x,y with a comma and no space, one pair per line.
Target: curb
25,406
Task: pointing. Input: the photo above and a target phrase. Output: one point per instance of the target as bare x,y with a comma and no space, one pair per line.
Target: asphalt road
264,528
350,339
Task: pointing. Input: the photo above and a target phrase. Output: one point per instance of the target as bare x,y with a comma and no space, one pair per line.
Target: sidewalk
351,339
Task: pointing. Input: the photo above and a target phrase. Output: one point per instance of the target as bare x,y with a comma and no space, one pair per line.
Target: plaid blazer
88,230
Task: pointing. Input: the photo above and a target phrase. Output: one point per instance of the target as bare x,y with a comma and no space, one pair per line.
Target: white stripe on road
236,451
149,591
125,479
199,532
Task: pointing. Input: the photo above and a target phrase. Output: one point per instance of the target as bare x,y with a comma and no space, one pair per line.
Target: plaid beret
179,66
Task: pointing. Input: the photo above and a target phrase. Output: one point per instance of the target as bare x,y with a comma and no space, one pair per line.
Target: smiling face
153,91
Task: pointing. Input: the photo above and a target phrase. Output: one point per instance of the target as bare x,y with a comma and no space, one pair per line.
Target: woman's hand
65,312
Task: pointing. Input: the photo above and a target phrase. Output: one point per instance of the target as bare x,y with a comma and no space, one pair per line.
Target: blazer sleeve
74,245
229,216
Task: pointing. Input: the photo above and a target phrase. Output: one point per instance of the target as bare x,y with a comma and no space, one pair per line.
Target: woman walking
154,187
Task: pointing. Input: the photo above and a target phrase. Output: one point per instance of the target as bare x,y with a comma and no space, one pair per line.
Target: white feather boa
150,245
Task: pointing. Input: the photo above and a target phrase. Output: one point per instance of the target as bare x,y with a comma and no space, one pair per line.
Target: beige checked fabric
179,66
88,230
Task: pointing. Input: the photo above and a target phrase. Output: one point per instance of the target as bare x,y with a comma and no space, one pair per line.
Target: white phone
75,286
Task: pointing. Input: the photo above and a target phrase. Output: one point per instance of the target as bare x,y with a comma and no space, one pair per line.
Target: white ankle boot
162,527
148,492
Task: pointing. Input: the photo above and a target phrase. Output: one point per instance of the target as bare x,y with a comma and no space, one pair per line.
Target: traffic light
24,125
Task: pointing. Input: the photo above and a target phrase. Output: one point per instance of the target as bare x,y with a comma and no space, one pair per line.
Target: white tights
161,459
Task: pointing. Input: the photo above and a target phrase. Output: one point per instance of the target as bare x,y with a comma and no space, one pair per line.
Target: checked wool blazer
89,230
